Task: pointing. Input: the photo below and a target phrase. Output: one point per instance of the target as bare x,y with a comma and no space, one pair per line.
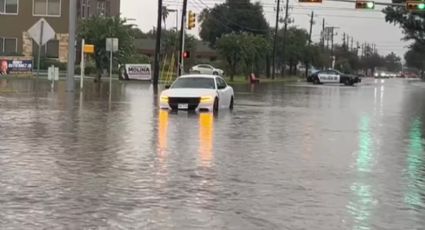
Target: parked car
333,76
206,69
198,92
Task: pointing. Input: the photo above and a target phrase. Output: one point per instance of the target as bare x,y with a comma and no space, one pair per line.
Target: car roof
198,76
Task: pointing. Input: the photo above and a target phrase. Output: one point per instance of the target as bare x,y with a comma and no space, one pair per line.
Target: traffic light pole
309,41
182,33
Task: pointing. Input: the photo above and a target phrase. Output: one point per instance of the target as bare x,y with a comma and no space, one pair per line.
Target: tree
230,49
392,62
95,30
295,50
412,24
232,16
415,57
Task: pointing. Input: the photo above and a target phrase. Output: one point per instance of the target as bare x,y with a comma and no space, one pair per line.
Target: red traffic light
186,54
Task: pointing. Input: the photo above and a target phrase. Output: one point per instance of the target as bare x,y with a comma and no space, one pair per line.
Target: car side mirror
167,86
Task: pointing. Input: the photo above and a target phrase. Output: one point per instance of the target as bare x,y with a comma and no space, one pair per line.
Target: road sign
41,30
112,44
88,48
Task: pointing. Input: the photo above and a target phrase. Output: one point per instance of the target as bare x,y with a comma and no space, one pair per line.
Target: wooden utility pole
275,38
309,42
157,45
284,36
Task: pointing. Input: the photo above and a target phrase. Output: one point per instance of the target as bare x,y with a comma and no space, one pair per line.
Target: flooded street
294,156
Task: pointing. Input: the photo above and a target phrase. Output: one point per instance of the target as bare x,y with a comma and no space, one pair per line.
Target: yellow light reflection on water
414,163
162,133
206,131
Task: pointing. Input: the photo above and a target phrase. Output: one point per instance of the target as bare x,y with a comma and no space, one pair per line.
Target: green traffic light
370,5
421,6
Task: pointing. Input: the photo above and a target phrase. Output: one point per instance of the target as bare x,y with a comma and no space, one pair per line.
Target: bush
45,63
88,70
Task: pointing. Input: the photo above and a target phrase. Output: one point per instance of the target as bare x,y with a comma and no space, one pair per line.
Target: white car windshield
194,82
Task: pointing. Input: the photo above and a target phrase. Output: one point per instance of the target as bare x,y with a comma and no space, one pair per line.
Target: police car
333,76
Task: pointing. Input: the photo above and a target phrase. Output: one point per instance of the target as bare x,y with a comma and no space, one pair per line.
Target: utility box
53,73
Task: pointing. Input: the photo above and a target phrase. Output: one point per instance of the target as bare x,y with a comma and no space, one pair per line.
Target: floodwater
288,157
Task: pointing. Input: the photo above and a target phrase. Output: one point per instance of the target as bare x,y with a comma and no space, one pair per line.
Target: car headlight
376,74
164,99
207,99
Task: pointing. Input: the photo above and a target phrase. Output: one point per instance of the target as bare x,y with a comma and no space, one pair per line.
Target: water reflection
415,161
206,123
362,200
162,133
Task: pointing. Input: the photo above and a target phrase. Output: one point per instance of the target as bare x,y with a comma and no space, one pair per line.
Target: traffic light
365,5
191,22
415,6
310,1
186,54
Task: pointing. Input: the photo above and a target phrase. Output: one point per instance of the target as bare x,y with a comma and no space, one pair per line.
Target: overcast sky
363,25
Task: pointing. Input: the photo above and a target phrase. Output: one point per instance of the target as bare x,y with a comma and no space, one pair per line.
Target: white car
199,93
206,69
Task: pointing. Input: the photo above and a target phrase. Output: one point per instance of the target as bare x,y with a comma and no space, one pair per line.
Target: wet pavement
292,156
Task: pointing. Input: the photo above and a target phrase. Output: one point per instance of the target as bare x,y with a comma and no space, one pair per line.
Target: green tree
95,31
229,47
412,24
232,16
295,49
415,57
392,62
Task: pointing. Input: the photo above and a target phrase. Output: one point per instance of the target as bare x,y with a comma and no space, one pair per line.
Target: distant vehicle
206,69
333,76
198,92
408,74
382,74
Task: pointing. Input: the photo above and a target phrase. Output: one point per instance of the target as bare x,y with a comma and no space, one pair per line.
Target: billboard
139,71
8,66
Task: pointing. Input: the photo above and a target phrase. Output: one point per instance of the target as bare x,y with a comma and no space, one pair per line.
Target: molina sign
8,66
139,71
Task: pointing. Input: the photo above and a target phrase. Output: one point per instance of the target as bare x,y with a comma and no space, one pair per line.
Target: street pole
182,30
284,36
323,34
157,45
82,64
275,39
309,41
70,71
39,48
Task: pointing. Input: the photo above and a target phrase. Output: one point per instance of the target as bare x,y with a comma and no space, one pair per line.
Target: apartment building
18,16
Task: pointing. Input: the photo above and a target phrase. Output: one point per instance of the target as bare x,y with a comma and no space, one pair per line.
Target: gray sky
363,25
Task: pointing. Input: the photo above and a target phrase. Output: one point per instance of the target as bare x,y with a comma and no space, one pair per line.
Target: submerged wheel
231,103
215,108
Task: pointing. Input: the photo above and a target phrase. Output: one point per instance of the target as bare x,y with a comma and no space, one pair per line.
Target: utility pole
284,36
343,40
323,34
157,45
275,39
352,43
309,41
71,45
181,45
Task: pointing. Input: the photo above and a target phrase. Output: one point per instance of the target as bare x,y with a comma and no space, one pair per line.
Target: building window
85,8
9,6
101,8
9,46
52,49
47,7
